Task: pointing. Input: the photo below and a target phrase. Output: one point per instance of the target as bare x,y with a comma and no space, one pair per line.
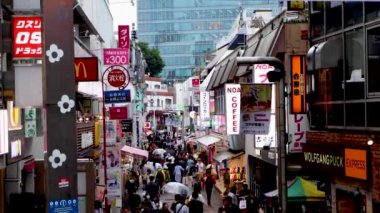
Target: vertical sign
123,36
298,126
298,85
232,92
27,42
205,106
59,102
4,147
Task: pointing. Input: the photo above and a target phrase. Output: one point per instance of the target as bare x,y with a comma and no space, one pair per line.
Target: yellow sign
356,163
14,116
77,69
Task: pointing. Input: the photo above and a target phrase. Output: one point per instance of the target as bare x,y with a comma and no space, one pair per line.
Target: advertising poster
255,108
298,126
114,183
205,106
111,132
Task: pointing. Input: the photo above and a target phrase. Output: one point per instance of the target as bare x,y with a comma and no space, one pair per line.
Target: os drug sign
27,39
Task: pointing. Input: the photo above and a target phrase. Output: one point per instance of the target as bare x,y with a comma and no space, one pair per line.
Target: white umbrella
159,152
176,188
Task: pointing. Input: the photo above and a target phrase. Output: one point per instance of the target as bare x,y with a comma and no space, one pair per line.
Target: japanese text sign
205,106
232,92
117,96
86,69
195,82
298,126
116,56
298,85
260,73
118,113
123,33
27,38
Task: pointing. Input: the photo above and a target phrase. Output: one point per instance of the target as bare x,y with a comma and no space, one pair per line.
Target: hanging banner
255,108
123,33
298,126
232,92
205,106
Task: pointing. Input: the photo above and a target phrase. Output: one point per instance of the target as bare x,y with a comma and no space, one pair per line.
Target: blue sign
117,96
63,206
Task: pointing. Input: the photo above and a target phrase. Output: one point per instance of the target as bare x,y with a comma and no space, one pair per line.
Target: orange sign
356,163
86,69
298,85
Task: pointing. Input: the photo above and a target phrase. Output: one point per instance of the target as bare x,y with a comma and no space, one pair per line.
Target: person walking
227,180
209,186
178,173
152,188
195,205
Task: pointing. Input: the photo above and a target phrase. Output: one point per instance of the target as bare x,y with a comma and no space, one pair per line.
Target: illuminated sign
4,132
296,5
86,69
298,85
232,92
27,39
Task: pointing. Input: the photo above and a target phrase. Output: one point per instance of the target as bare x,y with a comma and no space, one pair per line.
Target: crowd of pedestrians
177,165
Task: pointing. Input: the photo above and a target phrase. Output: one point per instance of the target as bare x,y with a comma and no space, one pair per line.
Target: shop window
354,75
372,10
355,114
317,19
373,115
318,116
353,13
333,16
335,114
373,57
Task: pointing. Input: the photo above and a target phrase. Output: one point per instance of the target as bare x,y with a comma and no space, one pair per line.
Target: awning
208,140
135,151
327,54
226,155
224,68
219,53
205,83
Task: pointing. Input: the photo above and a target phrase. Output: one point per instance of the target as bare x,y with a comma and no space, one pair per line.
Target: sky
123,12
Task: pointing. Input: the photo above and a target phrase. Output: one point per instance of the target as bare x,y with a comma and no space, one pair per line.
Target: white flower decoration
57,158
65,104
54,57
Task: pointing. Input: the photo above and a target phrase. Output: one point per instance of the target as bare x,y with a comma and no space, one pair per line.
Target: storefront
343,171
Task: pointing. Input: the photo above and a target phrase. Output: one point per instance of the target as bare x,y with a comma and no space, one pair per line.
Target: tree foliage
152,56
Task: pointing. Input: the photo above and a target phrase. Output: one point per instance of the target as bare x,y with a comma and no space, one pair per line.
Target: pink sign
123,36
116,56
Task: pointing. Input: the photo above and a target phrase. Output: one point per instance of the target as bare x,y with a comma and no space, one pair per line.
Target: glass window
333,16
354,75
157,86
318,115
373,115
353,13
151,102
158,102
335,114
355,114
373,57
372,10
317,19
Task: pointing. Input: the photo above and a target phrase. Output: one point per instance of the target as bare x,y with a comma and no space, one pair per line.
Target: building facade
185,30
343,87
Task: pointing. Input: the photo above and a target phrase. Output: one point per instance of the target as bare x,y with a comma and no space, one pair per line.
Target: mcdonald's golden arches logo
86,69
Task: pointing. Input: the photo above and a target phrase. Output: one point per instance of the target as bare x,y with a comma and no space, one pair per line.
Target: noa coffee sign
118,76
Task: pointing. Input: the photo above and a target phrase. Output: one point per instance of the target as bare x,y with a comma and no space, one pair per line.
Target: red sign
147,125
118,113
63,182
124,36
195,82
27,39
118,76
86,69
116,56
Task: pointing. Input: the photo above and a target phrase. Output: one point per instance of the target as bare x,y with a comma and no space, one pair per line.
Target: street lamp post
276,76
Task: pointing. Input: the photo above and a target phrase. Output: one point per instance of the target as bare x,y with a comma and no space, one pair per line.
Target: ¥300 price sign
116,56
